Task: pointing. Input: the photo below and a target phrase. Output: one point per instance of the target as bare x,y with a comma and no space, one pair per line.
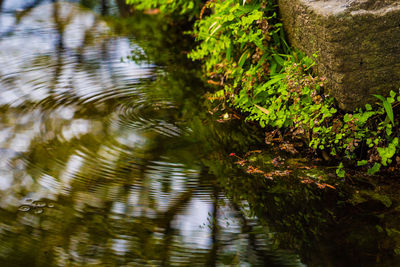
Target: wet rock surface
357,41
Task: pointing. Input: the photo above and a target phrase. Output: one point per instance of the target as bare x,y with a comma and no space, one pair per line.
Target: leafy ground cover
252,69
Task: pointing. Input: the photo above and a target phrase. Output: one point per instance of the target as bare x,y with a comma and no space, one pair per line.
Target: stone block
357,41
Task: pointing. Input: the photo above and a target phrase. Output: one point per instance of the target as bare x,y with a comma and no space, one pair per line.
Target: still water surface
107,161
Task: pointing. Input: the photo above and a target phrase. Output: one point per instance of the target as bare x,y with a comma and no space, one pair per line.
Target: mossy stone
358,44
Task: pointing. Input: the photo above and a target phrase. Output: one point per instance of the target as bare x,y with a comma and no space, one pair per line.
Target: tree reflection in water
108,163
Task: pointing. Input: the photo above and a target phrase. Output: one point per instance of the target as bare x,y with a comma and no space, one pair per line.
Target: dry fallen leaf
266,111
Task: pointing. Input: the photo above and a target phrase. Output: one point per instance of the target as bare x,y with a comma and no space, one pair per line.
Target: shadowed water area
110,157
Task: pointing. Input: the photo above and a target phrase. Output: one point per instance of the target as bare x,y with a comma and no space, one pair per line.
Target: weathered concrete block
358,44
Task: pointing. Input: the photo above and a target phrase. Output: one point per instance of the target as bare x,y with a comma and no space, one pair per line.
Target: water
109,157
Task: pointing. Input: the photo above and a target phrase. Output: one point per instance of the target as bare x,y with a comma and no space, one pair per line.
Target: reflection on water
101,160
110,162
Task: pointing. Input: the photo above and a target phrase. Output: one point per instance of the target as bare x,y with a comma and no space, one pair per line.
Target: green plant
340,172
238,41
387,105
246,59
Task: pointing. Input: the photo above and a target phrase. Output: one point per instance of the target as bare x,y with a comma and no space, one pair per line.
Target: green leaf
340,172
347,117
388,152
389,111
375,168
381,98
274,79
387,106
279,60
362,162
389,131
243,58
274,65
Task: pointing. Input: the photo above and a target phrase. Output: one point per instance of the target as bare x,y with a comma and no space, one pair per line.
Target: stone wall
358,44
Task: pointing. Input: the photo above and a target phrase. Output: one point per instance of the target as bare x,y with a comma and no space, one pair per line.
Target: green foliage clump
245,54
293,102
246,58
240,44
